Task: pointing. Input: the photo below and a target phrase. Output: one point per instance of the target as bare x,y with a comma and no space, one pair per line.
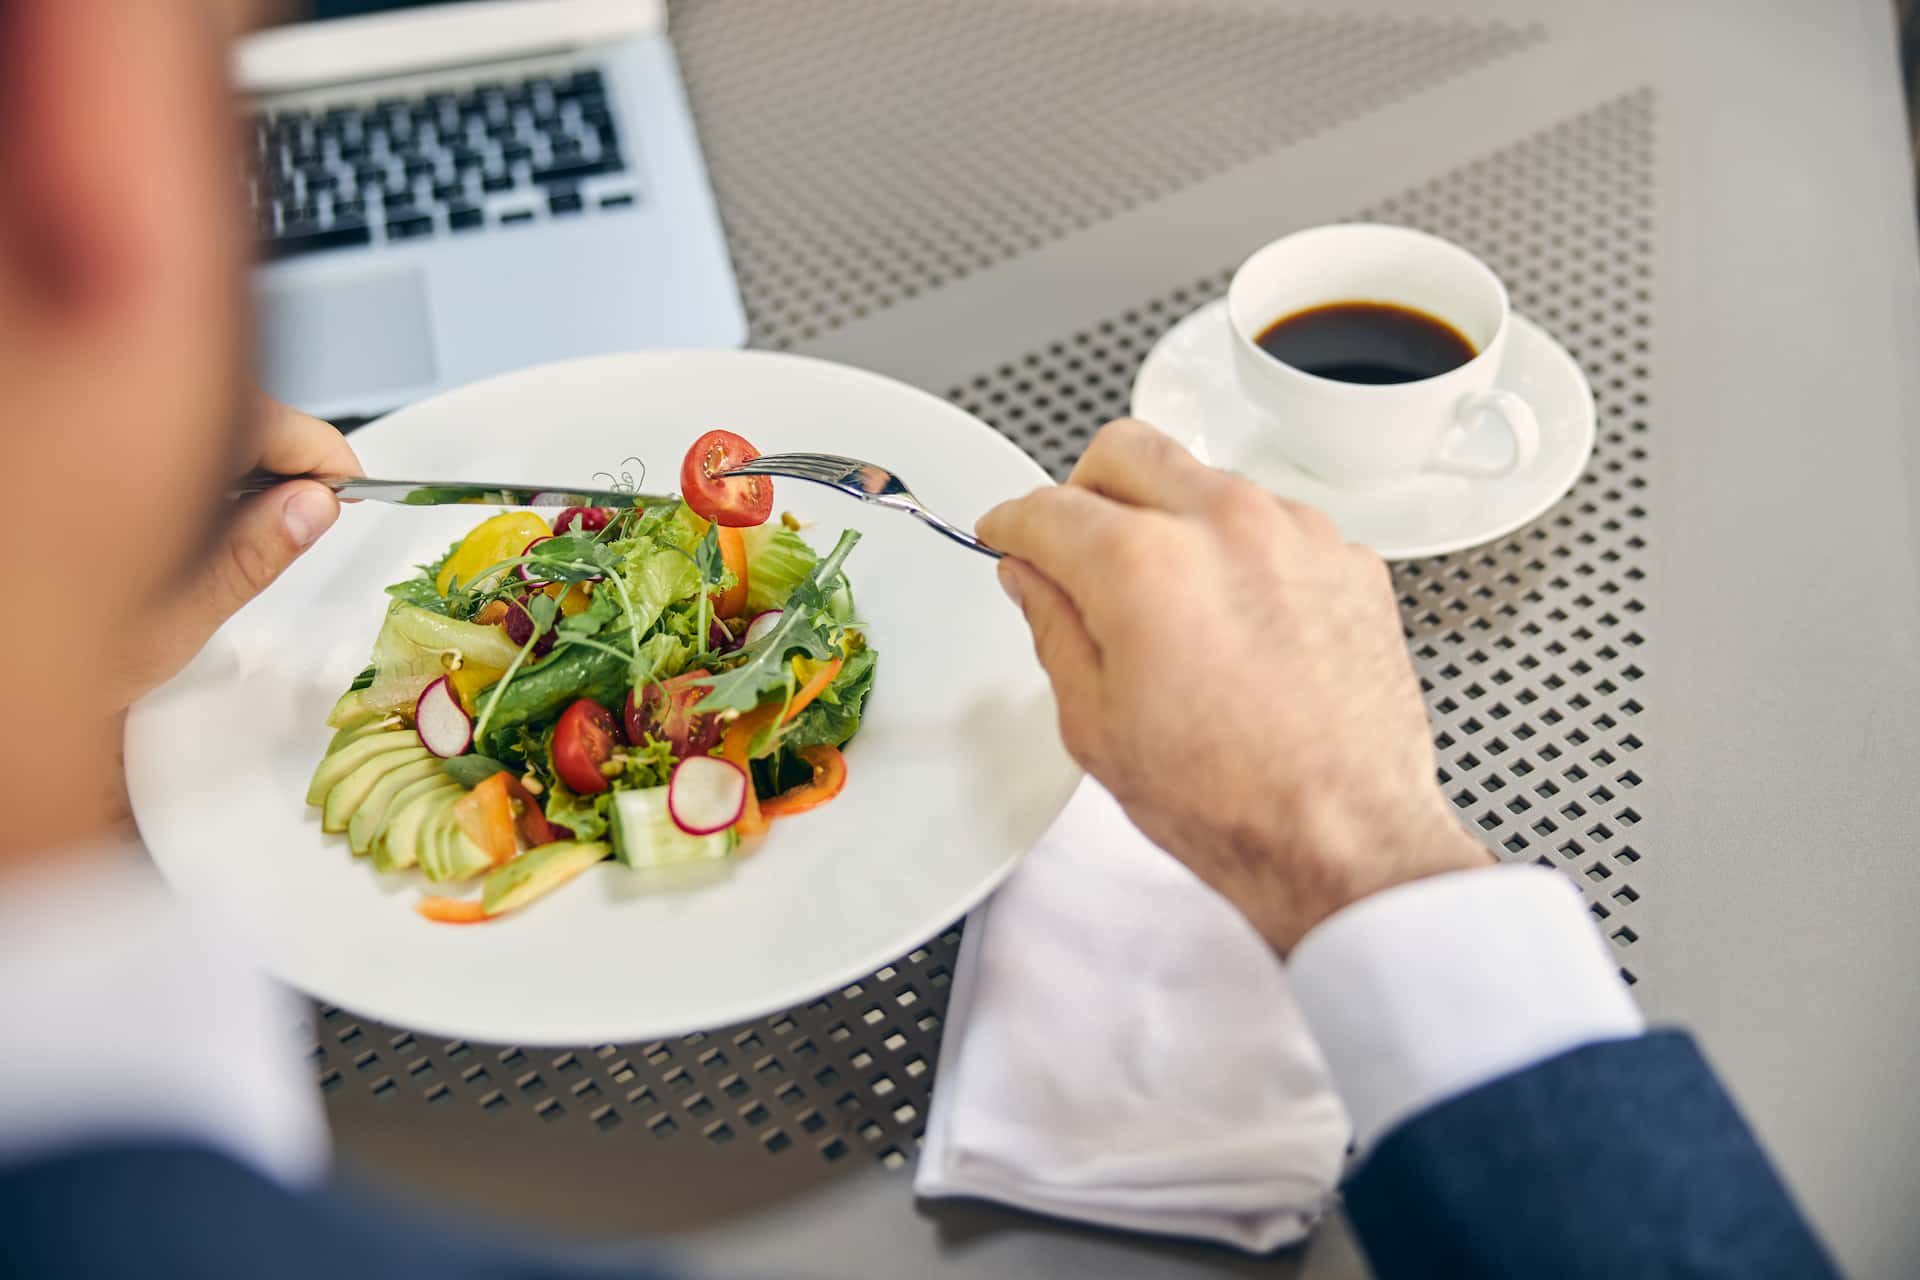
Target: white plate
1187,388
957,769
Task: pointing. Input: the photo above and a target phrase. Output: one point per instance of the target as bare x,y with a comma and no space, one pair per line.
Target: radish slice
761,624
522,570
706,794
442,723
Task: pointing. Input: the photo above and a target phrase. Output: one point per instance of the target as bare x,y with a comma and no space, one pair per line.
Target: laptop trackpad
340,339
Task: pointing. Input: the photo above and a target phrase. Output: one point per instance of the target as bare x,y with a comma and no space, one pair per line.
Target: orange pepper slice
829,777
452,911
486,815
733,554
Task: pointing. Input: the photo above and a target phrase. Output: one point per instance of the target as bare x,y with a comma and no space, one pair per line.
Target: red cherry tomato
736,503
582,742
592,519
665,710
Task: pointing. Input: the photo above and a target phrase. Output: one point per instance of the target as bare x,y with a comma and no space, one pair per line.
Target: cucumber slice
351,791
414,839
396,847
645,834
350,757
372,813
537,872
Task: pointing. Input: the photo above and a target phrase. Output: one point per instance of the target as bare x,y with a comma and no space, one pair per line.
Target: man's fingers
1132,462
1069,534
266,536
1060,640
297,444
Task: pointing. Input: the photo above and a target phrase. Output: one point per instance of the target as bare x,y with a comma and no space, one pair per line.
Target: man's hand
1235,674
266,535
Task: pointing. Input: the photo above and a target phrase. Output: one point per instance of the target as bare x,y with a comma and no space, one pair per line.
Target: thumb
266,536
1060,639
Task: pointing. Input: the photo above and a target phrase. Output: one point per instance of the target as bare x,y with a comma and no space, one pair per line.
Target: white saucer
1187,388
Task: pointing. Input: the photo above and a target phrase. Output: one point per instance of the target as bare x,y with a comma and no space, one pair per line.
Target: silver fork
862,480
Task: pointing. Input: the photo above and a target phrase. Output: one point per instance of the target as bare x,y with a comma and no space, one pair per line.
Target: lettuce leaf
661,656
778,560
412,649
658,567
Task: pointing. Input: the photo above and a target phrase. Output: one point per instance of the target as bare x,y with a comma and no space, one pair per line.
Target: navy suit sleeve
166,1211
1623,1158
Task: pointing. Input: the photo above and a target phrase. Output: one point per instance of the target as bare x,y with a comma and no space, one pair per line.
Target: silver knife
439,493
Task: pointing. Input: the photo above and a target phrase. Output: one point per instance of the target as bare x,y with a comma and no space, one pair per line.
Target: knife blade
440,493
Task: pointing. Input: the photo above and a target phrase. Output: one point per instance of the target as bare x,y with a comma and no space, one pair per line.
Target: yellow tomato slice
498,538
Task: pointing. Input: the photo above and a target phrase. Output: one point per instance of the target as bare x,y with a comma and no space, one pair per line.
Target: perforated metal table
1692,685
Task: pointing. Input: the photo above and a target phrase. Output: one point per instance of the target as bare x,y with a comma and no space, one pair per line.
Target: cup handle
1514,413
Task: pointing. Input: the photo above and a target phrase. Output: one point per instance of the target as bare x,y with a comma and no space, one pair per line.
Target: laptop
449,189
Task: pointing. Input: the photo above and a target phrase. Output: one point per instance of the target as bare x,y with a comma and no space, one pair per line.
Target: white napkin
1121,1048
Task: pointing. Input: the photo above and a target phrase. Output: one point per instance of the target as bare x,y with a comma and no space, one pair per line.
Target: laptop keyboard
445,163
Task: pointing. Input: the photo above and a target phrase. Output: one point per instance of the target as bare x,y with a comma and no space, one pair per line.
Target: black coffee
1373,342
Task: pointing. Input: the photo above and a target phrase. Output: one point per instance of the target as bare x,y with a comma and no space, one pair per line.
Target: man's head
123,354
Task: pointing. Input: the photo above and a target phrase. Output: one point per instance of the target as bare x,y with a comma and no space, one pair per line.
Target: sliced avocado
465,858
429,839
397,846
352,756
347,737
447,852
537,872
372,813
348,794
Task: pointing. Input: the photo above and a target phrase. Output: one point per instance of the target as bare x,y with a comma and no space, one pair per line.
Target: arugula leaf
419,592
744,687
571,557
707,559
603,607
470,770
834,716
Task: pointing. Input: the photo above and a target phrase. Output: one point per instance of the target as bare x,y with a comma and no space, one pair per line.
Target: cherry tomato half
736,503
665,711
582,742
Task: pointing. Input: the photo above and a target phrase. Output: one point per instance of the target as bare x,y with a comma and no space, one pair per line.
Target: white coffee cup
1359,435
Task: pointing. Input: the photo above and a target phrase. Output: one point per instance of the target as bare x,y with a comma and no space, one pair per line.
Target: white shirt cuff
126,1018
1438,986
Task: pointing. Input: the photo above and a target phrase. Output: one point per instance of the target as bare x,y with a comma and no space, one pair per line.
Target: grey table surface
1709,201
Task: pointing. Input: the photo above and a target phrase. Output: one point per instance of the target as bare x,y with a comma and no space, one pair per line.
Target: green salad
652,684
